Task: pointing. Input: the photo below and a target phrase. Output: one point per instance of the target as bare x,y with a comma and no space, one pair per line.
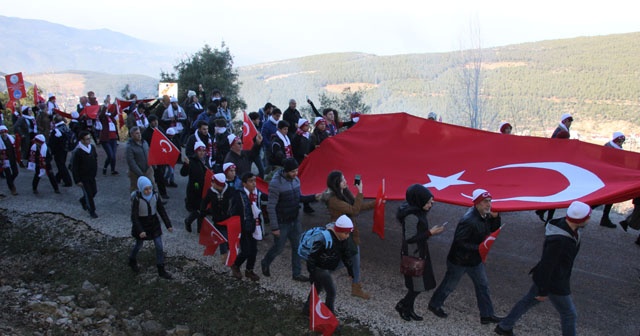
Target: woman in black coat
412,215
145,224
195,168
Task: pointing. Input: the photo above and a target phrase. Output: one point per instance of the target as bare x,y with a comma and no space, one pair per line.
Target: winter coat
552,274
329,258
196,170
338,207
220,205
136,155
84,166
144,216
284,199
470,233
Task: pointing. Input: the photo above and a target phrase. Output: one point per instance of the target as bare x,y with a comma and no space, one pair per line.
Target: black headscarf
416,196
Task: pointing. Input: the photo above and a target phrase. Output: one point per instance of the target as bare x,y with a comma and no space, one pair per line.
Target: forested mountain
530,85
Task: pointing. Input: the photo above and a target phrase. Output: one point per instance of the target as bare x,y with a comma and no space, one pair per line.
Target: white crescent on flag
168,147
319,311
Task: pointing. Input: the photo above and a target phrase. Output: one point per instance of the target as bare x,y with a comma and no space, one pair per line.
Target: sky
265,31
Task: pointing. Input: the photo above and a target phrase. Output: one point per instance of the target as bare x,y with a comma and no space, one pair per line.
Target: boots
162,273
251,275
235,272
134,265
187,226
356,290
401,309
14,192
223,258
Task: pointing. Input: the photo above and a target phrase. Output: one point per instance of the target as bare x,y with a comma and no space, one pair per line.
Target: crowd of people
202,128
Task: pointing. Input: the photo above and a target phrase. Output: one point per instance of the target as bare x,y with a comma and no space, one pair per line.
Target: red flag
161,150
248,132
37,98
210,237
486,244
91,111
521,172
15,86
62,113
321,319
122,104
208,175
262,185
233,232
378,212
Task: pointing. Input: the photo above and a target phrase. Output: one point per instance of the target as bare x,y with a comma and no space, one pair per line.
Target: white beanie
479,195
198,144
302,121
566,116
219,179
40,138
227,165
578,212
343,224
173,100
191,93
231,138
617,135
171,131
317,120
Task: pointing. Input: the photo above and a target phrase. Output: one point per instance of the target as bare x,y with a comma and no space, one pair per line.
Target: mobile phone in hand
356,180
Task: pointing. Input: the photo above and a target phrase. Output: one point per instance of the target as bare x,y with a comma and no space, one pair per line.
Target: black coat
470,233
301,147
196,170
220,208
552,274
149,223
84,166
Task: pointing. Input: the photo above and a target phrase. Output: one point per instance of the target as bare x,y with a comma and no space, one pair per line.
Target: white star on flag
440,182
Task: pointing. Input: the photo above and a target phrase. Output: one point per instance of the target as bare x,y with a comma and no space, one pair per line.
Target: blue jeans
110,148
159,250
291,231
355,262
450,282
562,303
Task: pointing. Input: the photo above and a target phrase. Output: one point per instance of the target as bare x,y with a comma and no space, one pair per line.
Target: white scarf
87,149
614,145
209,149
43,149
33,123
11,139
274,121
284,138
178,114
564,127
57,131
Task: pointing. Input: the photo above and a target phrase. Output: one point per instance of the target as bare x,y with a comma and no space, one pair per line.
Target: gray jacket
137,157
284,199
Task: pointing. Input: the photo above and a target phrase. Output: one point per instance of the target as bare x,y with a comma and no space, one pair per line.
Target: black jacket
84,166
552,274
220,206
144,216
196,170
329,258
470,233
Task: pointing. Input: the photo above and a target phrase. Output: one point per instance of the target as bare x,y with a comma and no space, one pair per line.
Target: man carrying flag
484,248
464,257
327,250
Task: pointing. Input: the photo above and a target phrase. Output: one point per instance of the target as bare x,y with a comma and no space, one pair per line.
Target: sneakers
503,332
300,278
251,275
113,172
438,312
235,272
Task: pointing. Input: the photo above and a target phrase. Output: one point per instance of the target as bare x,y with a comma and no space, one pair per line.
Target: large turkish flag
520,172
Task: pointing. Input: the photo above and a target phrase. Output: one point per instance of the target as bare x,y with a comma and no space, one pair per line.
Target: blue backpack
309,237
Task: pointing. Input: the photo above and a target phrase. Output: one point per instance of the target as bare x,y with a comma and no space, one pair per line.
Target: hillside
41,46
531,85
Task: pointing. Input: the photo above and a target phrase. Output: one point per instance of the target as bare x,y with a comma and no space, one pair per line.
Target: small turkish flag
378,212
210,237
485,246
91,111
233,232
248,132
321,319
161,150
262,185
37,98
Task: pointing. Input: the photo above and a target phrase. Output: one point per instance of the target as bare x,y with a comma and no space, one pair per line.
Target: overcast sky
262,31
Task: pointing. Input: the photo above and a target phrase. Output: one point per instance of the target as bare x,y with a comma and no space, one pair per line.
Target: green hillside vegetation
530,85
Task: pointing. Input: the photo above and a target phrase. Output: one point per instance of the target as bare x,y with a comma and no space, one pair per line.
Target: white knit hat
617,135
171,131
231,138
302,121
343,224
198,144
228,165
219,179
565,117
479,195
578,212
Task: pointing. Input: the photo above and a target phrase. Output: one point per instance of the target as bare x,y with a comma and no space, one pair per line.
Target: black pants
89,191
10,173
322,280
248,251
63,172
158,175
36,179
